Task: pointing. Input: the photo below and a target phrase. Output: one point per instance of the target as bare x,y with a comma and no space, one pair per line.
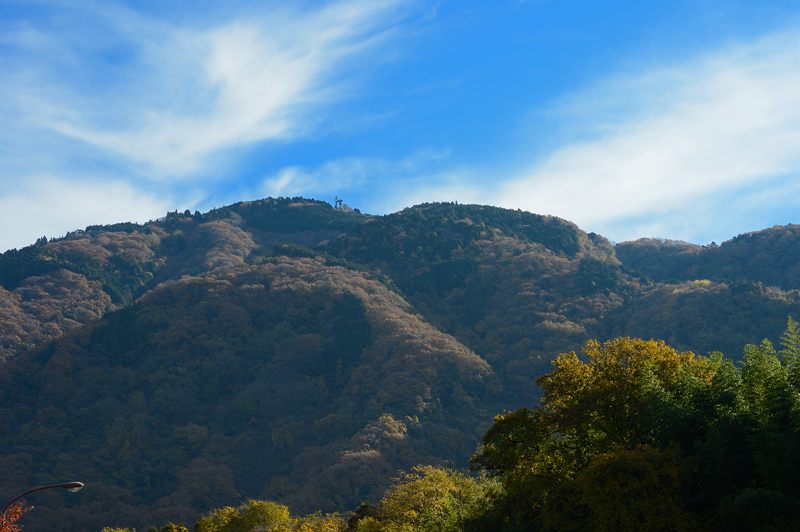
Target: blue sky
675,119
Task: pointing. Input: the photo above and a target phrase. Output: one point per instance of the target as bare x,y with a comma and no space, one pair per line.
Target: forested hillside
770,256
282,349
631,435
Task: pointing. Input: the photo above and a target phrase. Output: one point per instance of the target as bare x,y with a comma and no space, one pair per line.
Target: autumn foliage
635,435
9,522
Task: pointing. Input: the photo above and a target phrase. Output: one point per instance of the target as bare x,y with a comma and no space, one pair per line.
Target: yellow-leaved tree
597,449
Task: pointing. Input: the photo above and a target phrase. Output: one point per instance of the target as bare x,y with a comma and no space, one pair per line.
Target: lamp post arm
72,486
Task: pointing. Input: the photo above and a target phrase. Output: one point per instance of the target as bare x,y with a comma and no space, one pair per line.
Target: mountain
770,256
284,349
288,379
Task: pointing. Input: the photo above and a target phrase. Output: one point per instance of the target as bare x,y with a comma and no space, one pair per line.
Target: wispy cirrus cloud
173,96
666,148
353,173
669,151
203,100
143,111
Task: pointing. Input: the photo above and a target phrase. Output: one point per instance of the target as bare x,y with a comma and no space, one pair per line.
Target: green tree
429,499
217,520
790,351
319,523
604,414
172,527
251,515
625,489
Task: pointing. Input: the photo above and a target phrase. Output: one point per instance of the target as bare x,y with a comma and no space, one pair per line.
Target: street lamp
69,486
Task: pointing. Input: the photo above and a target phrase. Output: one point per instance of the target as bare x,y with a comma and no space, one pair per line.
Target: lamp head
73,486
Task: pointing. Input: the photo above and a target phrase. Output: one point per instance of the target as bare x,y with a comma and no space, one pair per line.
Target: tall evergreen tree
790,350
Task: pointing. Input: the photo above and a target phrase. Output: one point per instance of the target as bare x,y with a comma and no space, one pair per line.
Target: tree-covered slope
287,350
512,285
703,315
54,287
770,256
516,287
287,380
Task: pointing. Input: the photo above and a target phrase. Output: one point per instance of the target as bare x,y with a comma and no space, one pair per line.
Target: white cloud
147,99
51,207
332,176
693,150
668,142
441,184
172,97
165,103
698,150
338,175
